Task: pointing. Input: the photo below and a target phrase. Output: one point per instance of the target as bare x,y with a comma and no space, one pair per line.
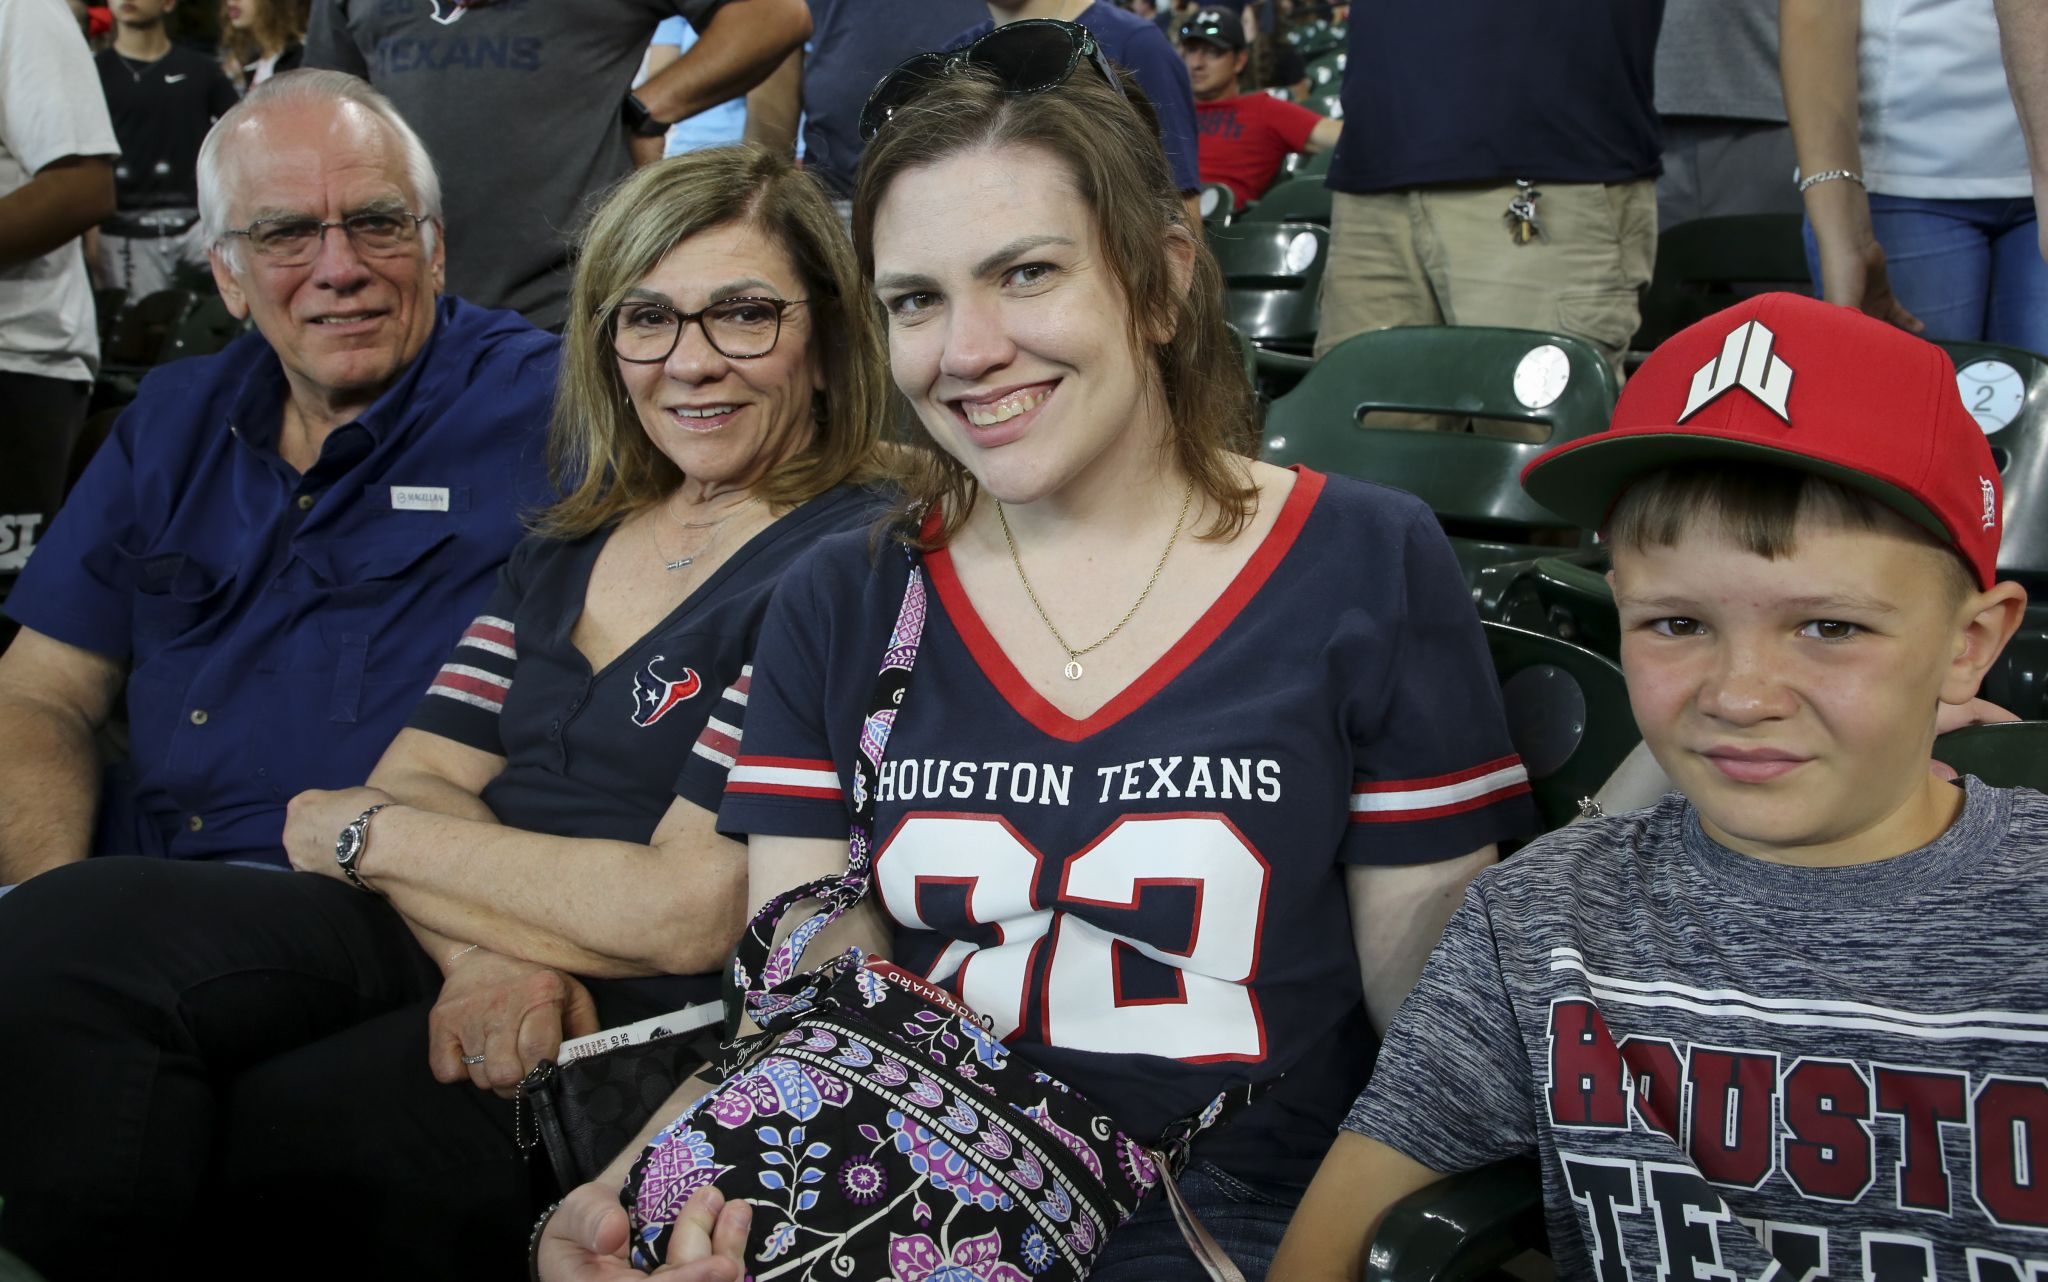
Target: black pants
39,422
226,1068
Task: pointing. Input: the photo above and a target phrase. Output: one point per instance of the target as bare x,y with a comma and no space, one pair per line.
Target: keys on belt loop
1522,222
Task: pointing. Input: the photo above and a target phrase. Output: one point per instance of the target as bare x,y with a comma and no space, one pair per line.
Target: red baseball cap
1799,383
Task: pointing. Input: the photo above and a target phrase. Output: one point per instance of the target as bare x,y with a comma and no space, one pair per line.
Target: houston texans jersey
1149,903
596,754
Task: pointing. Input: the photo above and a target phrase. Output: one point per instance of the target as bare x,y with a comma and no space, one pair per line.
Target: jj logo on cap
1746,362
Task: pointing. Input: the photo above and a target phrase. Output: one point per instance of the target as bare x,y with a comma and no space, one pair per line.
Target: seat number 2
1215,1015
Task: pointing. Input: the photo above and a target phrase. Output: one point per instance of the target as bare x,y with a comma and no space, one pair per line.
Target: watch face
349,844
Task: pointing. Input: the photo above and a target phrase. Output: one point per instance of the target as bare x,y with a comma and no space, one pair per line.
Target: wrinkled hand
514,1013
585,1239
1852,274
315,818
1977,712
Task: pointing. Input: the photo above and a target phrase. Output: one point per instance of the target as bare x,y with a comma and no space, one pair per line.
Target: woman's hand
1852,274
512,1012
314,819
585,1239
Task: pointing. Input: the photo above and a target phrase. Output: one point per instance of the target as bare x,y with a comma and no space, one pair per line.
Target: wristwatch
349,847
639,120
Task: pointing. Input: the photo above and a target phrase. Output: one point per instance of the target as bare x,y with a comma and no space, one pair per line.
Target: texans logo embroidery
653,696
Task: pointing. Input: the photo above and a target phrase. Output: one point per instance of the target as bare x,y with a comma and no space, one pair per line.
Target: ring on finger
472,1059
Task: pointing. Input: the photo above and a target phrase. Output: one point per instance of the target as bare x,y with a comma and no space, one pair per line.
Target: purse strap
759,963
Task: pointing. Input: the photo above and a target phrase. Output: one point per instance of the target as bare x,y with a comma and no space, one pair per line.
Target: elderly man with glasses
278,543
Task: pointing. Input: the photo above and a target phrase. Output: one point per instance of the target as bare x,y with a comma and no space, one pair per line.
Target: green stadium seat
2011,754
1291,200
1567,597
1461,1228
1472,482
1218,204
1301,164
1708,264
1272,276
142,334
2006,389
1568,716
207,328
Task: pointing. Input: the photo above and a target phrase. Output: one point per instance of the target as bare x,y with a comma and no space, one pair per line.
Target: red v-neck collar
1036,709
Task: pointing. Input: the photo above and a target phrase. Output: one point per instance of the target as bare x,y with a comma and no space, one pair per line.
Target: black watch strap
639,120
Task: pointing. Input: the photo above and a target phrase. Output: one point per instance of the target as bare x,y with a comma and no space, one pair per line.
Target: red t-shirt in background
1242,140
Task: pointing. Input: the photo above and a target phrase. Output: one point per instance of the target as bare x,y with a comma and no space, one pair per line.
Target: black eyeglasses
294,242
1028,56
646,333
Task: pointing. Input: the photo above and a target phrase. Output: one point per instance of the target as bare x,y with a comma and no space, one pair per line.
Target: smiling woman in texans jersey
1213,846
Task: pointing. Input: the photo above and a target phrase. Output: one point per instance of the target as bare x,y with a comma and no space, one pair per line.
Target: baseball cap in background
1216,26
1795,382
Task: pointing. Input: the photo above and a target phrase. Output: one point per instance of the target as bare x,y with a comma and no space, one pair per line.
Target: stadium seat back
1291,200
1709,264
1272,278
1218,204
1568,716
1564,597
2012,754
205,329
2006,391
143,332
1461,1228
1524,376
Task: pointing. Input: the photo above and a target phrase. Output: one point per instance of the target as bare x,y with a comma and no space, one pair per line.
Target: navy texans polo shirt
278,627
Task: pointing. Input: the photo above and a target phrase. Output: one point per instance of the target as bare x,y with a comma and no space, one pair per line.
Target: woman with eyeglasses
545,825
1197,754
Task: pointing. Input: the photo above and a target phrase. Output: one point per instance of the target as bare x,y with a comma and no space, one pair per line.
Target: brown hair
598,453
278,23
1759,508
1110,146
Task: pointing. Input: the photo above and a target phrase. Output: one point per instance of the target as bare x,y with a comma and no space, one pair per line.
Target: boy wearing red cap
1792,1023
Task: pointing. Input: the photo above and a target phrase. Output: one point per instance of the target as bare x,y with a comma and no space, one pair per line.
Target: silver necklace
717,528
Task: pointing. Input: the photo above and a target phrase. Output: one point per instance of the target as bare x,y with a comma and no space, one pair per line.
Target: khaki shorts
1443,256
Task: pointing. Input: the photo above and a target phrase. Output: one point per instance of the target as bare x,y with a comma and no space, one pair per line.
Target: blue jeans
1246,1221
1969,269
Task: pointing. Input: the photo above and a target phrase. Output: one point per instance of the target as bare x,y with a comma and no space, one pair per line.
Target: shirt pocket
176,594
354,595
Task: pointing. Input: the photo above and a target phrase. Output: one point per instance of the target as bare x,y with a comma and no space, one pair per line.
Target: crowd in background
483,313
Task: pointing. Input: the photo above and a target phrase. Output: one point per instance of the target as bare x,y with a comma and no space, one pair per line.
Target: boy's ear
1988,620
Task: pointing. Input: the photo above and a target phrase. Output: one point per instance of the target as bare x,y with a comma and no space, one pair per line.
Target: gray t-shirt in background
1726,1065
1720,58
519,102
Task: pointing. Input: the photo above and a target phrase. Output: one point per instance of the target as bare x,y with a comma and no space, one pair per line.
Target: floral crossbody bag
877,1127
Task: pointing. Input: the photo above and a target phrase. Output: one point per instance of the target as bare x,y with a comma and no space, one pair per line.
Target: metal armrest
1460,1227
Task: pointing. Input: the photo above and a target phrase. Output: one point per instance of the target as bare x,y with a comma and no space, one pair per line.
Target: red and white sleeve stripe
480,671
785,777
1405,800
720,741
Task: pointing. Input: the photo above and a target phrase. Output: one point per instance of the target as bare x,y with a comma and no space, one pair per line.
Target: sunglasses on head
1028,56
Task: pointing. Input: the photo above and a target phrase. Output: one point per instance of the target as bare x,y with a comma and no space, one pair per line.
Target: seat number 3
1215,1016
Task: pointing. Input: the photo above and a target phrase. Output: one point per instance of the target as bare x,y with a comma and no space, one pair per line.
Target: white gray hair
309,85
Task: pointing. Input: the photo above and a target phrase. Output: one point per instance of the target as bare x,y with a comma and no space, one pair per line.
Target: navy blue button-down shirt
280,626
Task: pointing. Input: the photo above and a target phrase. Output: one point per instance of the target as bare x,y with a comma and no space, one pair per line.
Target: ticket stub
687,1020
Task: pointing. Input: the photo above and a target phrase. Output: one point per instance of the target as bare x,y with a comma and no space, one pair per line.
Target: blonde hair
278,23
1109,144
601,459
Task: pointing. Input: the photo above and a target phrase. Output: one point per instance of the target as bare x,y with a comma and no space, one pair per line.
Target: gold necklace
1074,670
